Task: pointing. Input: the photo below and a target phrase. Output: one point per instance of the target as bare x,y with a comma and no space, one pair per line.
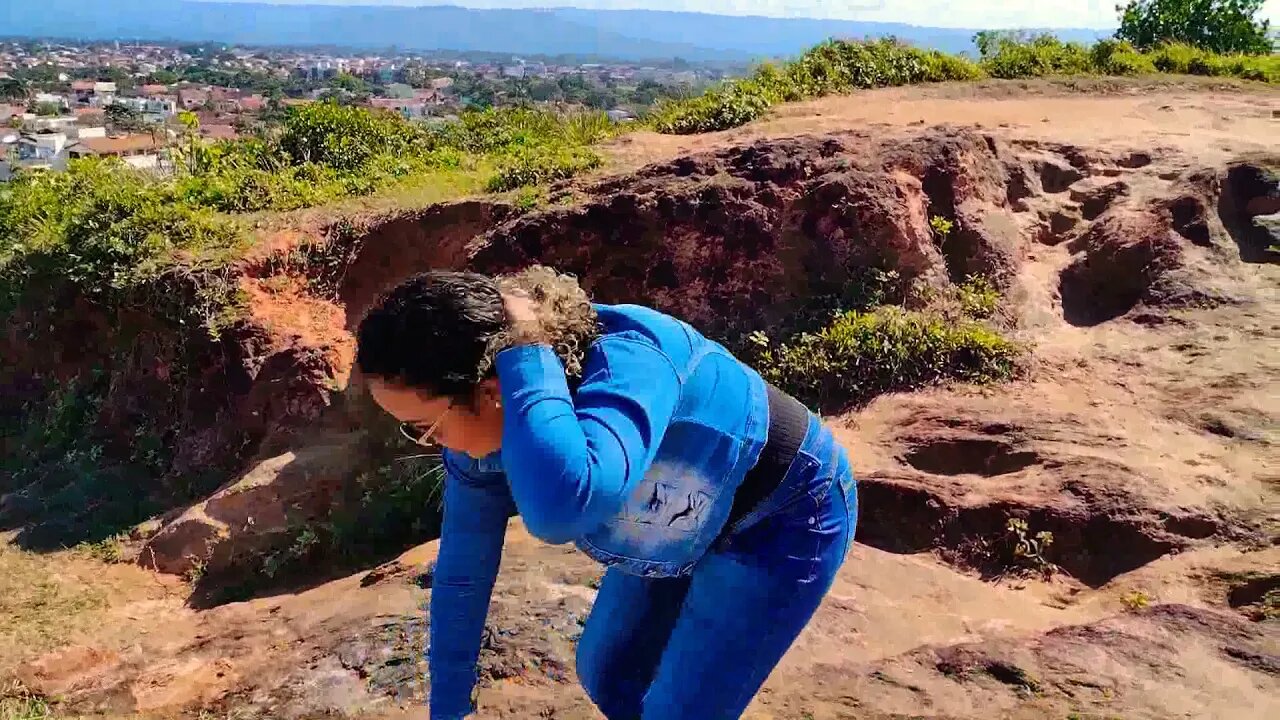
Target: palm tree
14,89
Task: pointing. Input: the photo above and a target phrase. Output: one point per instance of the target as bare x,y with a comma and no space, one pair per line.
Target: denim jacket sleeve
572,460
476,507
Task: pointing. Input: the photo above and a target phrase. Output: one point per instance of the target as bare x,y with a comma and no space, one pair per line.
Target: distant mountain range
623,34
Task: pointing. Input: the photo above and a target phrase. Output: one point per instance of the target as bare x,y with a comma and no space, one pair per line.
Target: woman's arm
475,523
572,461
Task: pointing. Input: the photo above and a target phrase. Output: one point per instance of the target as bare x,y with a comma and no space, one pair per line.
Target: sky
933,13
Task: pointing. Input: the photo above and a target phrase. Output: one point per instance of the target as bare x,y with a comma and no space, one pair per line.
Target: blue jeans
699,647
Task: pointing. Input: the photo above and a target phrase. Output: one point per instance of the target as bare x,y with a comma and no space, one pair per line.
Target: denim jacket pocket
796,485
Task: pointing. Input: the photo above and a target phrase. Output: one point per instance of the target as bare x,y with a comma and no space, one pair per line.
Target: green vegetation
978,297
1013,55
1135,600
839,66
18,703
861,354
1024,551
109,230
58,478
1269,607
836,66
13,90
1222,26
41,607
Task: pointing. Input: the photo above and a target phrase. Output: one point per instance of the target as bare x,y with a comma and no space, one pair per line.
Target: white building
153,110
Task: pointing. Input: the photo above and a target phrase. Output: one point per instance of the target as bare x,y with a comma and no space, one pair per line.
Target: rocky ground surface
1128,233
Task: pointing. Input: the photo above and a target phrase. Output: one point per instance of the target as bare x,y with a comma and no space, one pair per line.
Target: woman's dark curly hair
439,331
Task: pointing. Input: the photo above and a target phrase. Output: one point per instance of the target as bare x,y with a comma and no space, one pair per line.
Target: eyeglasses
416,436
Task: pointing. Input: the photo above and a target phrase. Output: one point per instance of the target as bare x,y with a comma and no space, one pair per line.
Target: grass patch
18,703
862,354
40,609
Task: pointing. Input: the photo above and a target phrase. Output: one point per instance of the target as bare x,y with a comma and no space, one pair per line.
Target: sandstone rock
739,239
1104,667
1094,199
1251,190
1125,253
253,513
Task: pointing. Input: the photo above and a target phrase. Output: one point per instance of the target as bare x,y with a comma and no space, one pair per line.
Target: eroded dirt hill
1143,434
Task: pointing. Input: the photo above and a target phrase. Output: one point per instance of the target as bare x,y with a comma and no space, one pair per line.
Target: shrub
1010,55
1115,57
346,138
108,229
729,106
978,297
835,66
941,67
99,225
863,354
537,165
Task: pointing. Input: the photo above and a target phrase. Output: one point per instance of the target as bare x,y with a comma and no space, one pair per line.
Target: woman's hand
526,324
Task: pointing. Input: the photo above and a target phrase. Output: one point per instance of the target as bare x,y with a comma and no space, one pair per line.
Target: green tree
46,109
123,118
1224,26
163,77
349,82
13,89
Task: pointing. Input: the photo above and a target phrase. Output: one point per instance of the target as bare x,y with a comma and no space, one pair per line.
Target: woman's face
474,428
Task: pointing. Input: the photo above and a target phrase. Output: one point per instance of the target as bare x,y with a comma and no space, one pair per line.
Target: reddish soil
1143,434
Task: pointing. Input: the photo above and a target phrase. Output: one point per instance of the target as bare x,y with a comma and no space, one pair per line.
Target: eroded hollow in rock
1252,590
1251,190
1092,543
974,456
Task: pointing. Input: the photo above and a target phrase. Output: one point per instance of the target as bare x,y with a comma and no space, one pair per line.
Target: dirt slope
1144,436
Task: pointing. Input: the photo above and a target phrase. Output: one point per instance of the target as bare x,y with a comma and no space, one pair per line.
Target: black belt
788,424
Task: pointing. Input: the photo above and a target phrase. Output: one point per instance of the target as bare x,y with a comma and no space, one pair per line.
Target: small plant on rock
978,297
1027,551
942,228
1135,600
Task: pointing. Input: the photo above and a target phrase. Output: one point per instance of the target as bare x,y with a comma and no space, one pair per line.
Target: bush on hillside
346,138
99,225
105,226
537,165
1013,55
1188,60
860,355
1116,57
835,66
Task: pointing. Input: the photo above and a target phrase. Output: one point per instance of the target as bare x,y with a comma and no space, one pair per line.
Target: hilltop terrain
1124,233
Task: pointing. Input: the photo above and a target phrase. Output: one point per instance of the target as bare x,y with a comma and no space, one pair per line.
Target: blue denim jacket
637,466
